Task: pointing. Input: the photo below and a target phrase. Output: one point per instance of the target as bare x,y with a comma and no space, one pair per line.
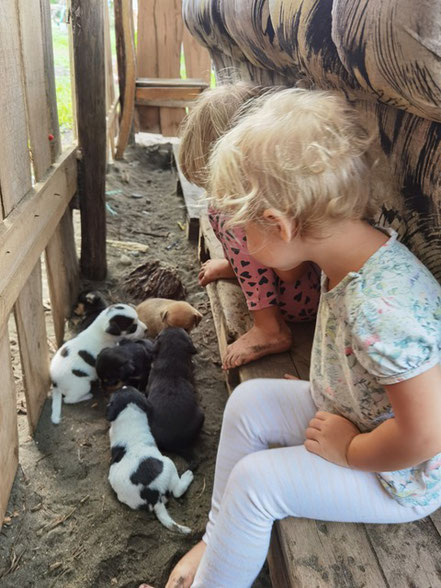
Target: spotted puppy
139,474
128,363
177,418
89,305
72,368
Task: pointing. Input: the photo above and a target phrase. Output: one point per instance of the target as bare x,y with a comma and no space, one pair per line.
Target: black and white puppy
139,474
72,368
176,418
89,305
126,364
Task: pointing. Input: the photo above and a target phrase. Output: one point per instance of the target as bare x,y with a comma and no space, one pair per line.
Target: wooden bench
308,553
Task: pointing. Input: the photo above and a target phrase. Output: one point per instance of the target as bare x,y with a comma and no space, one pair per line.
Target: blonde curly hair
300,152
213,113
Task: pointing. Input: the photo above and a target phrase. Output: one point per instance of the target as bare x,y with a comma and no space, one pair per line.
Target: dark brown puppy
176,417
126,364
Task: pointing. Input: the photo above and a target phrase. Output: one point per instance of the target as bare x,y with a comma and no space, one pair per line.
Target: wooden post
87,19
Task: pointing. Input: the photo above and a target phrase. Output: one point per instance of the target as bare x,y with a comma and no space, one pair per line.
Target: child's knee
248,484
242,400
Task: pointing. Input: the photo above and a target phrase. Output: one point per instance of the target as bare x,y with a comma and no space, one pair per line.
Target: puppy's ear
197,318
113,328
163,314
112,409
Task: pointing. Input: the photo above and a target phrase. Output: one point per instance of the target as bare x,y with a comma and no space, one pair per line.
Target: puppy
139,474
128,363
72,368
176,417
89,305
158,313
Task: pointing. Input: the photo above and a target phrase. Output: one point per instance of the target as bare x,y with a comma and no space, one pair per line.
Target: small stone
125,260
136,195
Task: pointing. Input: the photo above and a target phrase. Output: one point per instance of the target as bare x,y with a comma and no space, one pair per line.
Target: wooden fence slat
54,127
31,329
61,258
34,72
129,78
147,63
197,58
112,121
15,171
8,424
63,273
29,312
87,20
160,32
30,226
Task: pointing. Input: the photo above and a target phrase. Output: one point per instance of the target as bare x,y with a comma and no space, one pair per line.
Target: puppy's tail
163,516
56,406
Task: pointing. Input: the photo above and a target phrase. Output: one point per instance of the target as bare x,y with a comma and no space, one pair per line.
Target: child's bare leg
270,334
183,573
215,269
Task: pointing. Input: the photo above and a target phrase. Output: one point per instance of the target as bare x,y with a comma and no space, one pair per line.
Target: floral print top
379,326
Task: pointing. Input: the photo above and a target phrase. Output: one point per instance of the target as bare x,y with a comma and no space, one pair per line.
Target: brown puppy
158,313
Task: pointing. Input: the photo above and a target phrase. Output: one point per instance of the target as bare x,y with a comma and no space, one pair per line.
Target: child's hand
329,436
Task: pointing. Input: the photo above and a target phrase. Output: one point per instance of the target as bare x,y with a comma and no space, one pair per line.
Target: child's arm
411,437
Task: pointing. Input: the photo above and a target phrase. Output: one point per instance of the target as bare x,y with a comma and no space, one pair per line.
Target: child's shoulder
393,285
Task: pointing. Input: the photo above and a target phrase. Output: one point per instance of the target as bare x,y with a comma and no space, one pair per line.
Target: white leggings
254,485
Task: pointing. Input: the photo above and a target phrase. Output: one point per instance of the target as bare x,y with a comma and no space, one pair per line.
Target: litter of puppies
153,403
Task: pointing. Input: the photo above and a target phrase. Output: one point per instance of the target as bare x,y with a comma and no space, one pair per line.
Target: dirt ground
65,527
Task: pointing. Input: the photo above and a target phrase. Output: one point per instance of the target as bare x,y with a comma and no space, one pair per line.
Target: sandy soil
65,527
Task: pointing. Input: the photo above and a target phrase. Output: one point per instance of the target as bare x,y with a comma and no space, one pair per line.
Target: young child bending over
272,297
362,440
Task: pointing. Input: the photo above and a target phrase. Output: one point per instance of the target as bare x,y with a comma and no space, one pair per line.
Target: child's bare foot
256,343
183,573
215,269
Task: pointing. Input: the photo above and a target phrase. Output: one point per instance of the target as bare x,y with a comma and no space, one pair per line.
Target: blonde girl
273,298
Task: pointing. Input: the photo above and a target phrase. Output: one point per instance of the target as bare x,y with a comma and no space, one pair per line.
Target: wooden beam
8,424
129,79
163,94
87,20
171,83
27,229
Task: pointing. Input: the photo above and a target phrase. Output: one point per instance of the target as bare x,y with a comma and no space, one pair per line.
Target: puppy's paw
55,420
187,477
183,529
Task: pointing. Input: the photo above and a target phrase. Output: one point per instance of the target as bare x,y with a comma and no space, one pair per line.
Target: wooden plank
278,572
130,80
408,554
73,88
322,554
87,20
34,353
28,228
34,73
63,273
28,311
171,83
303,334
15,171
61,257
146,95
54,127
147,117
197,58
8,424
160,31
